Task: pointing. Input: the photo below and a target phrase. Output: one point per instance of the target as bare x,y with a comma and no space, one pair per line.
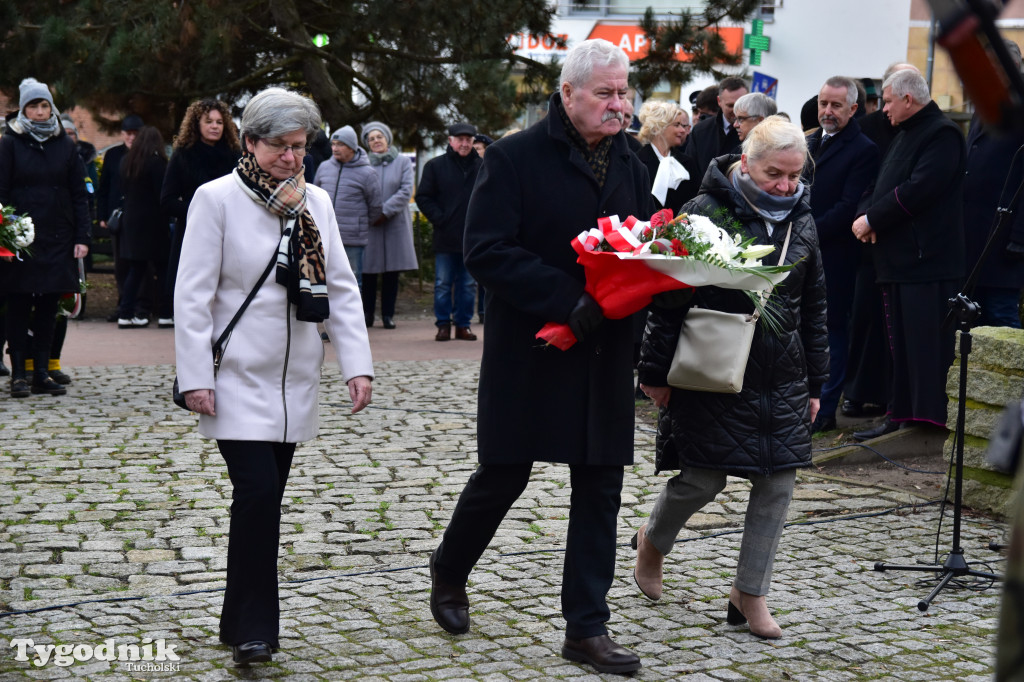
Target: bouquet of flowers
628,262
16,233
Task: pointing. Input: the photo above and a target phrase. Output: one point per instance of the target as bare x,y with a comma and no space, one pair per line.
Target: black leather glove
676,298
1015,251
585,317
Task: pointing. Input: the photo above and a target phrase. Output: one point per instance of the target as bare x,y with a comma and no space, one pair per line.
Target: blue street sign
766,84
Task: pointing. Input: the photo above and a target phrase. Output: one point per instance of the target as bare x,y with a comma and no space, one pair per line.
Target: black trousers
388,294
589,566
35,311
258,472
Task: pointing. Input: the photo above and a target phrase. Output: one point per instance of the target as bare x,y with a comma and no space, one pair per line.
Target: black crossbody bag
222,340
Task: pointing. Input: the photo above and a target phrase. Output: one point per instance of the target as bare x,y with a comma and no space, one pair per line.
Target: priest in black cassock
914,221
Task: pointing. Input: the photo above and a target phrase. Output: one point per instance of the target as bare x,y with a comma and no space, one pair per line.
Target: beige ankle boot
747,608
647,573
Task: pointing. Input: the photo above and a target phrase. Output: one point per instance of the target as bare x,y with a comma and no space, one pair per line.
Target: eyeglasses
741,119
298,151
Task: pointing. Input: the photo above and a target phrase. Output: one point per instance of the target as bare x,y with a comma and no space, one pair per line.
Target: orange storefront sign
633,41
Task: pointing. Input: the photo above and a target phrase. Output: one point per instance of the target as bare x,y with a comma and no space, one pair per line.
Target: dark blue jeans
454,290
998,306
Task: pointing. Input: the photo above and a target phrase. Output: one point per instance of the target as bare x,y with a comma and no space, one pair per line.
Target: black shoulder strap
218,347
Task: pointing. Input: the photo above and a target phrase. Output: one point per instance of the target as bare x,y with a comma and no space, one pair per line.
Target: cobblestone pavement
113,529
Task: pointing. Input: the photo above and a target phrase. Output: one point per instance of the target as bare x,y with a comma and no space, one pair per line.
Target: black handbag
222,340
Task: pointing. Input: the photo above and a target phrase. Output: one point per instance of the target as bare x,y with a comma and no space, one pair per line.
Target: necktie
823,145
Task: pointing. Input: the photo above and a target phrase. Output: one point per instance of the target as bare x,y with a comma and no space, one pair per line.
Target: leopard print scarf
300,256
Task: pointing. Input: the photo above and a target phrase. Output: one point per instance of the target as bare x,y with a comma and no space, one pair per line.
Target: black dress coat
767,426
443,196
708,140
145,232
534,194
838,179
988,171
187,170
687,189
109,195
916,207
47,181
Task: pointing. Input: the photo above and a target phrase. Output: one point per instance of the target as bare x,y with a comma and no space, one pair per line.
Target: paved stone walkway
113,528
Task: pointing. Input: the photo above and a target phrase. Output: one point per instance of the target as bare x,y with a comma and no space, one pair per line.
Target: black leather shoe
851,408
19,388
449,605
60,377
885,427
251,652
602,653
823,423
388,323
47,386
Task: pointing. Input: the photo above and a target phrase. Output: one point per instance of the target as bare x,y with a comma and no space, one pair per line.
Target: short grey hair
844,82
907,82
275,112
581,60
774,134
756,104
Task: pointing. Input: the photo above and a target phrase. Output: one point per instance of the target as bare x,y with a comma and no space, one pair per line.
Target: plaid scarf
598,158
300,255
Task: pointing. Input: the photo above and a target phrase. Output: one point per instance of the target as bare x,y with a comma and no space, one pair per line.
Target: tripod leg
892,567
924,603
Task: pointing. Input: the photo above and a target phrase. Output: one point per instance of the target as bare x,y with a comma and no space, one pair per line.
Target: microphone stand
964,312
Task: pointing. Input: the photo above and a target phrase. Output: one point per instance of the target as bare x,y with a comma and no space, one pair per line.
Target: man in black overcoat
914,221
536,191
842,166
994,171
715,136
868,372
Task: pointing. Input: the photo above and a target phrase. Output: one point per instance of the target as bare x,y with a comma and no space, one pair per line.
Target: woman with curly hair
205,149
674,175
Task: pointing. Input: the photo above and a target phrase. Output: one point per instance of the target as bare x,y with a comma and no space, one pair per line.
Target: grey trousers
687,492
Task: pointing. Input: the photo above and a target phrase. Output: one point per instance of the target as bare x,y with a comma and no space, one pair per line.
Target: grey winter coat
390,246
355,193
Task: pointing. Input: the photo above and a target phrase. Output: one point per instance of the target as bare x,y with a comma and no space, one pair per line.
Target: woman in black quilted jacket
762,433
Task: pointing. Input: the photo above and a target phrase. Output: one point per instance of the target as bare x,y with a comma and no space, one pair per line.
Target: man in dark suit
715,136
538,403
843,164
914,222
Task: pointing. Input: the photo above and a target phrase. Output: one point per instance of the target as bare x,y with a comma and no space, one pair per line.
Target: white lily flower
757,251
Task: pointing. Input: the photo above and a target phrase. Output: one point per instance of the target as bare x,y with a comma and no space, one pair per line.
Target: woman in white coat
263,399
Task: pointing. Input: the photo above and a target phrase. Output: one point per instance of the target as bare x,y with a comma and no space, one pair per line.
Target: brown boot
649,560
748,608
465,334
444,332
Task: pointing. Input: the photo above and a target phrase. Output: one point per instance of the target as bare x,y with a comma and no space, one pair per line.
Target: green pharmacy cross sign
757,42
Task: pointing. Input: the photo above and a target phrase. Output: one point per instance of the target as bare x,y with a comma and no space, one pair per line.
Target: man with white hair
914,221
536,190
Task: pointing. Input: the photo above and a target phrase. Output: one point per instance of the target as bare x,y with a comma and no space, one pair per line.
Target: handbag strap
782,260
218,347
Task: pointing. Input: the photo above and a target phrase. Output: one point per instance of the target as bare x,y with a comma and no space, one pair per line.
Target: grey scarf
387,157
41,131
770,207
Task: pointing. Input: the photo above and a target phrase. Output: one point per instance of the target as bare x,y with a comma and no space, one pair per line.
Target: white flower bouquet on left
16,233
